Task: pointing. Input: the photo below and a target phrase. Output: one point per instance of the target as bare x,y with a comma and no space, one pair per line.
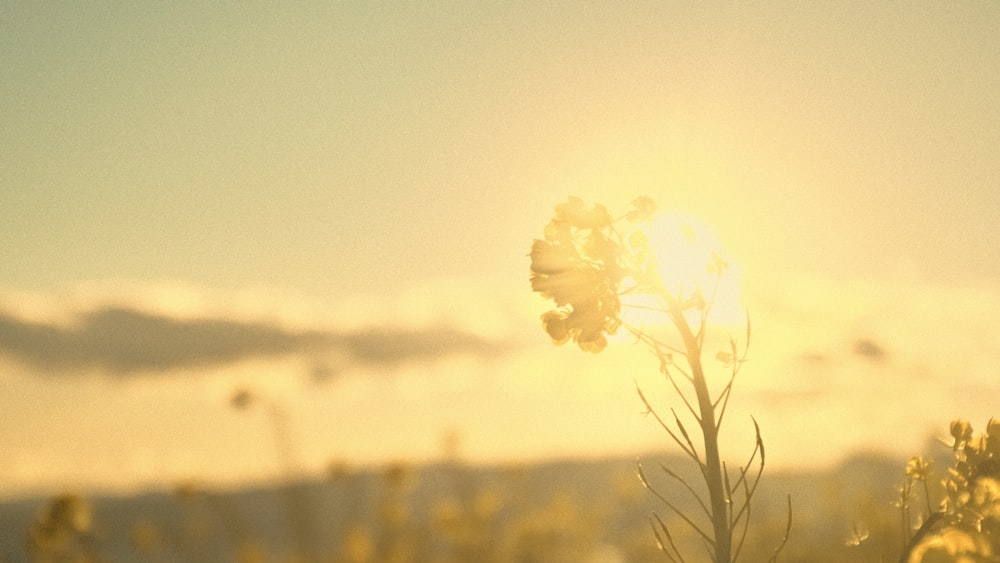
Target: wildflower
993,437
587,263
961,431
577,267
643,209
62,527
578,214
917,468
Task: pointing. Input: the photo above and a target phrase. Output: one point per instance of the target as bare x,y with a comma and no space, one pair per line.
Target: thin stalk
694,526
296,503
685,445
710,432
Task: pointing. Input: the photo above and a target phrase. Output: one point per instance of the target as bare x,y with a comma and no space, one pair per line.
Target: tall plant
592,265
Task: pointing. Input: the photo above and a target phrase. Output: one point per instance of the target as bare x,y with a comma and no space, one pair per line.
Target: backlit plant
593,266
965,525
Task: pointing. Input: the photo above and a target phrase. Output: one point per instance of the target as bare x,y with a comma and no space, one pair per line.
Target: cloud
869,349
126,341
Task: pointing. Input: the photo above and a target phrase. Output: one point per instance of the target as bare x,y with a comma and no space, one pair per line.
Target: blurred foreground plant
592,265
298,508
62,531
965,526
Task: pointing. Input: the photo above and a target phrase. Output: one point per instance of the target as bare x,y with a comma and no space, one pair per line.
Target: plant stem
710,433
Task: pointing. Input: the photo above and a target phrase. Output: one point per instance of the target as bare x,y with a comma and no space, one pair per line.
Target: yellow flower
643,209
577,267
917,468
578,214
961,431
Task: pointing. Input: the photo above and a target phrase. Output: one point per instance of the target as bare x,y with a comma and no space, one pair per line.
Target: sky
330,206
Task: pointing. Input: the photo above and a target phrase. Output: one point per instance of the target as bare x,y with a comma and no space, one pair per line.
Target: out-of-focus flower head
961,431
580,265
60,525
918,469
970,517
241,399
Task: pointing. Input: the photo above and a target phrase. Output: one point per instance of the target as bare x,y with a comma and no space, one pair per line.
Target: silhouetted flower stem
712,466
298,511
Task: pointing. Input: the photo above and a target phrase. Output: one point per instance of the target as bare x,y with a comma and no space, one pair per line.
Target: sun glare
690,260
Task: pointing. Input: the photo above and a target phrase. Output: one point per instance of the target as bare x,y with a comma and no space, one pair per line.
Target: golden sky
332,203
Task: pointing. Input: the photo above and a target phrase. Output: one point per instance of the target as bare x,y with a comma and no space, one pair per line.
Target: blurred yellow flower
578,267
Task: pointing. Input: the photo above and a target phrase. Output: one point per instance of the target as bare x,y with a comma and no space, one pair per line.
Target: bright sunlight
689,259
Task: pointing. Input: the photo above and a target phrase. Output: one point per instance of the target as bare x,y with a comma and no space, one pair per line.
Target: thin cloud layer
125,341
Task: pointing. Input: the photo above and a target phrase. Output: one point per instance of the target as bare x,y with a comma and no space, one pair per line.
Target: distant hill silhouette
601,498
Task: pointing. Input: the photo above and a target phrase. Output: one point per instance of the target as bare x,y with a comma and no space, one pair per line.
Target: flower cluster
580,265
967,528
973,482
62,531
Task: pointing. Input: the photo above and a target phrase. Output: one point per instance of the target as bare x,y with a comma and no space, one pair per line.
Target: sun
690,260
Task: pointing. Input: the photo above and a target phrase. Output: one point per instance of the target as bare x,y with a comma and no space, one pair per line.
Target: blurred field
581,511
